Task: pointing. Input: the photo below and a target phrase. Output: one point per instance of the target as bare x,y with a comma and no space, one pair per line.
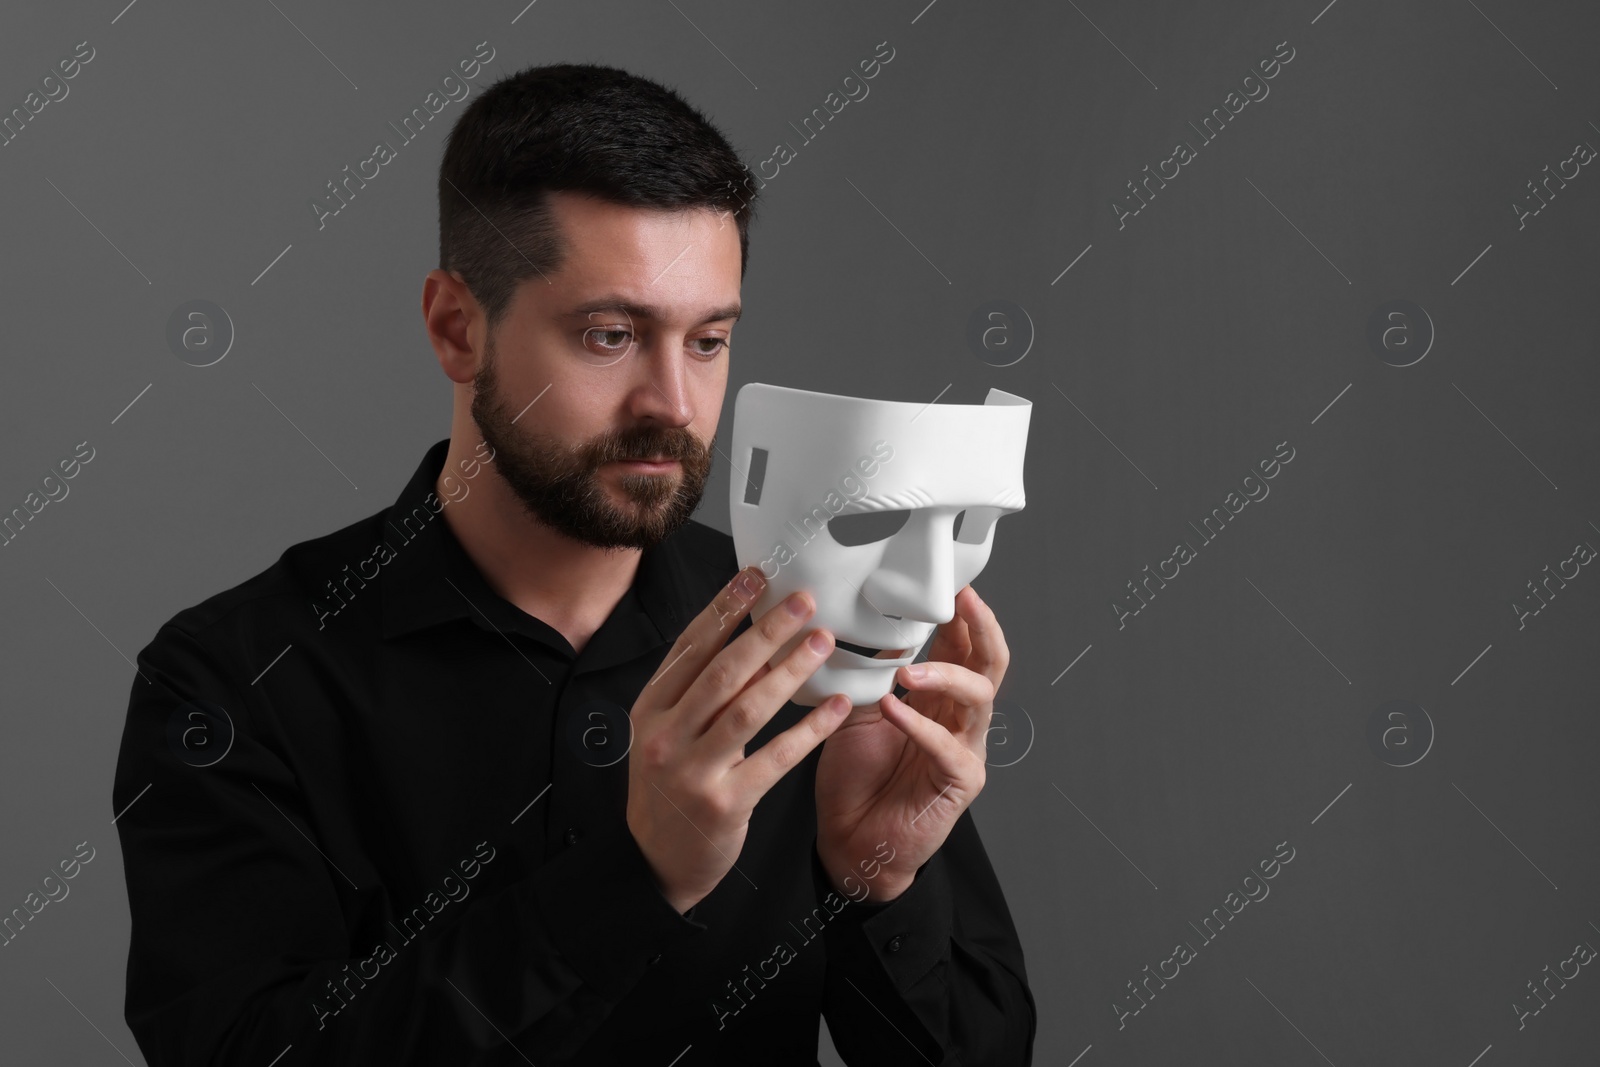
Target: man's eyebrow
649,311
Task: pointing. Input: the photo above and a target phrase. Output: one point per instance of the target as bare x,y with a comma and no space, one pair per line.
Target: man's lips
649,464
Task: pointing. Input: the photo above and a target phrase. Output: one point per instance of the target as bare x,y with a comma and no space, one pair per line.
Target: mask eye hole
972,525
866,527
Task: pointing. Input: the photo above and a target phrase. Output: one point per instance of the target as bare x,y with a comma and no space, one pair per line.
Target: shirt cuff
908,935
599,901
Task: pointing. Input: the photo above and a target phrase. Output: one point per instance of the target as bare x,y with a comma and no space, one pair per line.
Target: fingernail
818,641
796,604
748,582
916,670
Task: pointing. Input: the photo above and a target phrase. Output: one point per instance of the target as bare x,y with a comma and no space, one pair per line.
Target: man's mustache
680,446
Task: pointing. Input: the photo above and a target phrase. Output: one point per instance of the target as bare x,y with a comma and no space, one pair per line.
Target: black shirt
373,813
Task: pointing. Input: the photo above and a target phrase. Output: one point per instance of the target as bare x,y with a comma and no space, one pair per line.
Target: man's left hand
904,771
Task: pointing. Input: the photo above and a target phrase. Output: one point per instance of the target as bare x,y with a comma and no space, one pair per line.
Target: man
509,793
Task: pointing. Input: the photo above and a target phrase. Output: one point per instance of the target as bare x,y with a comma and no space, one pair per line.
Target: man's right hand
691,789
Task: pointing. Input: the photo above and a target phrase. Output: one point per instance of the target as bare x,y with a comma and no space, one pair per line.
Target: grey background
1228,316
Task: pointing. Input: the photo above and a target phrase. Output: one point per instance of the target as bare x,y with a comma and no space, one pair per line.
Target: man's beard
562,487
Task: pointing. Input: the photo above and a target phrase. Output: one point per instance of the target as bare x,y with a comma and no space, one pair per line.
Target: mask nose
916,579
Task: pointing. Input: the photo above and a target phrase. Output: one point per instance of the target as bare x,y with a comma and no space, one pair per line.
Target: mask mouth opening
870,652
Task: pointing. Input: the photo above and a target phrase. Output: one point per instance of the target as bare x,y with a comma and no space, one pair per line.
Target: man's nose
916,579
659,389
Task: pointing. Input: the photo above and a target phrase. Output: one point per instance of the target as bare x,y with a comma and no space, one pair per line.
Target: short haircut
581,127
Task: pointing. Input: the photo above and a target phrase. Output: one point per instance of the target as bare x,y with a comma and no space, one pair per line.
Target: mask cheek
836,574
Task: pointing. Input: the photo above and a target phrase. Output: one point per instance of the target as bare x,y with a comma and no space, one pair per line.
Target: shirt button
894,943
572,835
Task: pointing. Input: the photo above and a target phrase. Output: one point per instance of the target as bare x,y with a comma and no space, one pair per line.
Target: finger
730,670
766,765
961,684
951,641
990,655
949,755
700,640
730,729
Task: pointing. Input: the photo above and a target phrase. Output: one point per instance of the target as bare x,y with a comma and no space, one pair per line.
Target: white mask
856,501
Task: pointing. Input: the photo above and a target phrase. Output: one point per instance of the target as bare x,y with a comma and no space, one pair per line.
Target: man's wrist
870,880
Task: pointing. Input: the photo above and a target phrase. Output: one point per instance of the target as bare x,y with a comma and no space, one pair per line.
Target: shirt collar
427,560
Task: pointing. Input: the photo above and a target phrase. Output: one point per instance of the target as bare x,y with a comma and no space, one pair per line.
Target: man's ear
455,324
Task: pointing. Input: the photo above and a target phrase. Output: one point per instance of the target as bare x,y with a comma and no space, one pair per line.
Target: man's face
620,355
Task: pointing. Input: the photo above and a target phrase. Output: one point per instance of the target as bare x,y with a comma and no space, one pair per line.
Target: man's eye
718,345
608,340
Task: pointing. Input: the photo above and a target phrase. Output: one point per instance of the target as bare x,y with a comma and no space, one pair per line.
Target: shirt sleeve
240,946
939,968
